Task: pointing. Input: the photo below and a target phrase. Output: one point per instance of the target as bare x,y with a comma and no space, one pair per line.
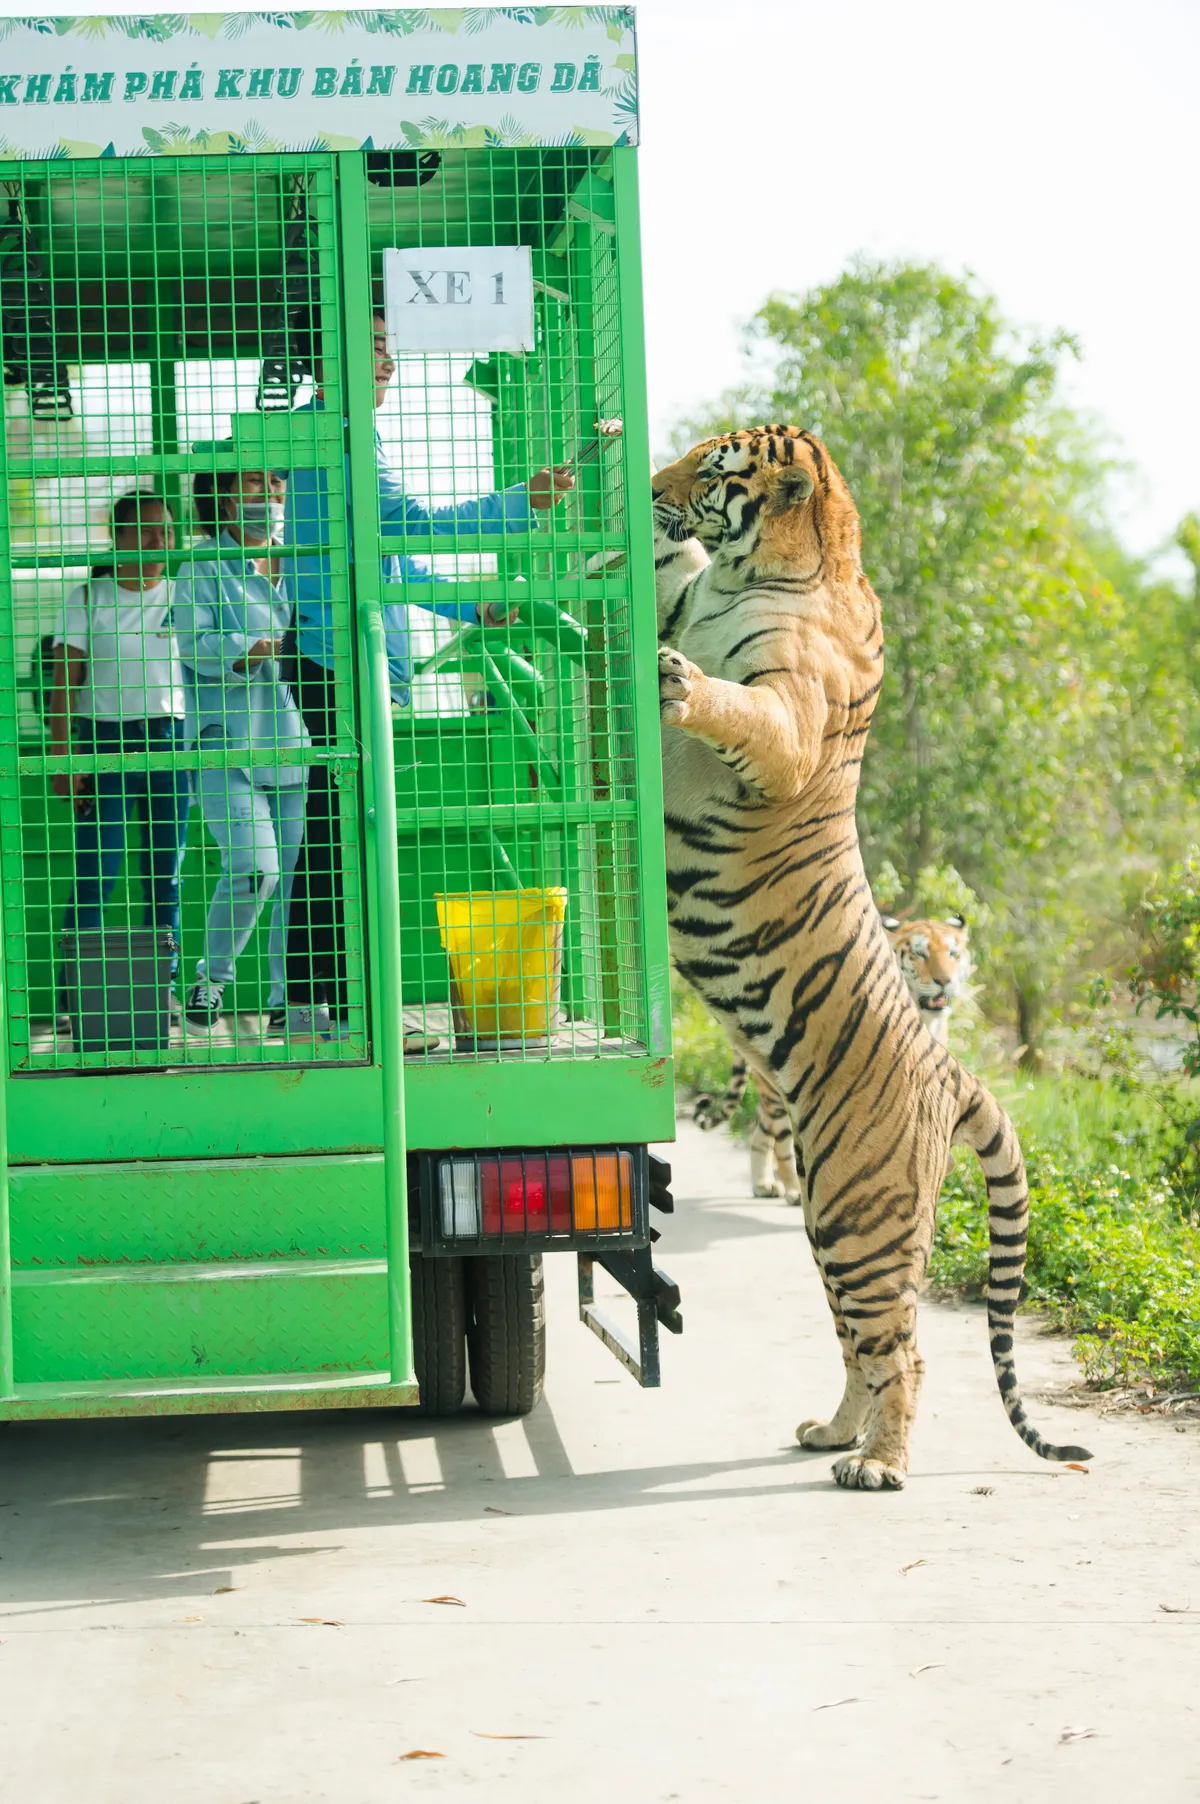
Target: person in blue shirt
316,958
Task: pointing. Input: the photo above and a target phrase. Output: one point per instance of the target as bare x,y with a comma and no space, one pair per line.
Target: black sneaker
277,1019
203,1005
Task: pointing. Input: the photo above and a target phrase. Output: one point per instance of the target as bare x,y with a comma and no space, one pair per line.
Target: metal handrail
7,1375
381,816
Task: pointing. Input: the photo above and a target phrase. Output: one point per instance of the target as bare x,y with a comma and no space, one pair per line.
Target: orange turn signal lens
603,1191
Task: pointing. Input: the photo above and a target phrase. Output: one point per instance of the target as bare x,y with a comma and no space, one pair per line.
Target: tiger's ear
890,923
956,920
792,489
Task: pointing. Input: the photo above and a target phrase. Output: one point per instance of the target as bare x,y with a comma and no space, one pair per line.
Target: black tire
506,1332
439,1323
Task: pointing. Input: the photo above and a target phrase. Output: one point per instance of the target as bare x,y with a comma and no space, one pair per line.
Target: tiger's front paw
675,677
858,1472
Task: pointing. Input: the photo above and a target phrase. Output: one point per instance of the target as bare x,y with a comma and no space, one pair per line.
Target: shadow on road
123,1511
703,1222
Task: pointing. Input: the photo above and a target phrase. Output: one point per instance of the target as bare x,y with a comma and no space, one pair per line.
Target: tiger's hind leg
763,1181
878,1298
893,1381
844,1428
773,1147
873,1295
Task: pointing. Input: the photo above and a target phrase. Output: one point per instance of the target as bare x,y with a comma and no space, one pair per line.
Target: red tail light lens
526,1196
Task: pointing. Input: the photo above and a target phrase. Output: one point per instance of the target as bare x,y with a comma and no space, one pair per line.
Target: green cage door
172,340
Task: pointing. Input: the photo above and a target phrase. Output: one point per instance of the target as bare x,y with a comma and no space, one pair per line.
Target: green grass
1078,1116
1110,1258
1114,1246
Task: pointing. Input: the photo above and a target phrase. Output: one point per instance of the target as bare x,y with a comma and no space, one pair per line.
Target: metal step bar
656,1295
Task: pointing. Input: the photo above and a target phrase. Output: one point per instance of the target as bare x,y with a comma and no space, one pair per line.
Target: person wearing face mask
230,619
117,687
317,988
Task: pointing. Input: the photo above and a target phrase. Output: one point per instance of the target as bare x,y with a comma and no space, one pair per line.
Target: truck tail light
512,1195
603,1187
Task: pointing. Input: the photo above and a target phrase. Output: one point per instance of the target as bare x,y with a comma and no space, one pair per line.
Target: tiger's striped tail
987,1130
709,1112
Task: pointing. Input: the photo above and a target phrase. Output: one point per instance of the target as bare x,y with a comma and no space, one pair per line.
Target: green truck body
227,1219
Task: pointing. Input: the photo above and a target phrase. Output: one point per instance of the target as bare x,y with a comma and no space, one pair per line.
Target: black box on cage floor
117,989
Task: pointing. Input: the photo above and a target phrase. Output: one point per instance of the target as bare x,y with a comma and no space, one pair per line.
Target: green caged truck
336,986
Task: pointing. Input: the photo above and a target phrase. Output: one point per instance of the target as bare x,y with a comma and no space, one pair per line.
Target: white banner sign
176,84
479,299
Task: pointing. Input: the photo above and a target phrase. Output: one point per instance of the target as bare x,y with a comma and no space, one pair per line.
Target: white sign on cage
476,299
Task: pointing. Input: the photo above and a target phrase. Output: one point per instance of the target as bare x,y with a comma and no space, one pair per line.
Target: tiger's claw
675,674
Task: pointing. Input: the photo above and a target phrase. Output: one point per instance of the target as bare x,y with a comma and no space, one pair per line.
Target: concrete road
661,1598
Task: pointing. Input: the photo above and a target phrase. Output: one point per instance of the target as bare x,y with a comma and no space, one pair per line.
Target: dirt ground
658,1596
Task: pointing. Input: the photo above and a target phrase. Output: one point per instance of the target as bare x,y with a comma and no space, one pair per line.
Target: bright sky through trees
1049,145
1052,146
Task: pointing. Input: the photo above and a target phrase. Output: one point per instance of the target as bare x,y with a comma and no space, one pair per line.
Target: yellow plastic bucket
505,951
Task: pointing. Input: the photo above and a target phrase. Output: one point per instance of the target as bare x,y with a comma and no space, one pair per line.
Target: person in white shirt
230,616
117,687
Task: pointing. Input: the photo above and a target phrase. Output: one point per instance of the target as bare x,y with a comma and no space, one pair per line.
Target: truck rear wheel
439,1323
506,1332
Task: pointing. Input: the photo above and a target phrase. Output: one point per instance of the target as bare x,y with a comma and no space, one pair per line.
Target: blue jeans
159,799
259,831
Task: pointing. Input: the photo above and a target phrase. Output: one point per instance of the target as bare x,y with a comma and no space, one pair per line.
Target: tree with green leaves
1014,738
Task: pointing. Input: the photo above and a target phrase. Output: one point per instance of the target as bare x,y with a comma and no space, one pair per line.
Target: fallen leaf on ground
1073,1465
912,1566
323,1622
445,1600
422,1754
1077,1735
487,1735
929,1666
983,1490
1177,1609
490,1509
221,1589
835,1704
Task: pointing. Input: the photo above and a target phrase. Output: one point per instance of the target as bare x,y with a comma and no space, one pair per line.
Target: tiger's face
742,486
935,960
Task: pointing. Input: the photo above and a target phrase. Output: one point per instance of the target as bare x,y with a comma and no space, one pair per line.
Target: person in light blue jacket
316,962
230,618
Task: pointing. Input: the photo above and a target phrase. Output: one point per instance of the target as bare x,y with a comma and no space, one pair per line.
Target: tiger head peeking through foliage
935,958
772,665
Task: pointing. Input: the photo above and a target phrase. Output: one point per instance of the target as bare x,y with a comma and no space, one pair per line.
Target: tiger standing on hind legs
766,696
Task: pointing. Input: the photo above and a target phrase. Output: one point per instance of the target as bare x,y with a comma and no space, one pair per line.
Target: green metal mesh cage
200,499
